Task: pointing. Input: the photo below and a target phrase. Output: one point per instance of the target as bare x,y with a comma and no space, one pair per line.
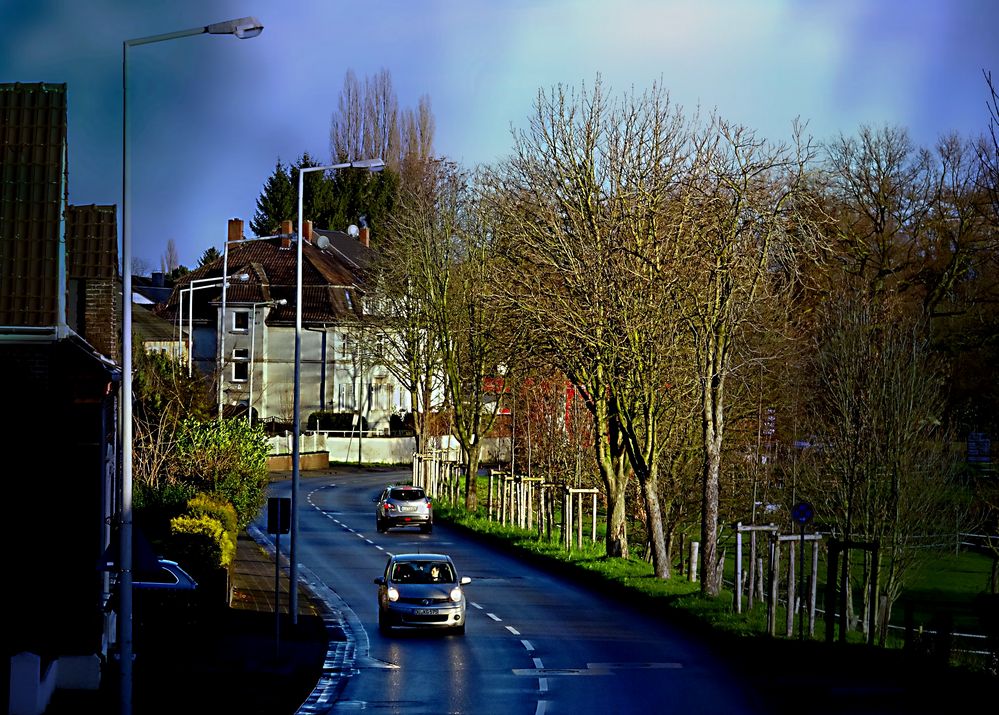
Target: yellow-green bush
219,509
202,542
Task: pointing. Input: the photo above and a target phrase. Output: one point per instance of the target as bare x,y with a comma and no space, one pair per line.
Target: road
534,643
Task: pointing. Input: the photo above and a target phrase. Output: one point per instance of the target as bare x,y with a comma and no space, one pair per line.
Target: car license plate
408,508
425,611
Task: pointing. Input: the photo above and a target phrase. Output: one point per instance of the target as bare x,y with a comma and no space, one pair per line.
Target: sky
209,116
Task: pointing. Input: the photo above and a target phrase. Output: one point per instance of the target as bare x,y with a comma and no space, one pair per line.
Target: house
59,345
243,335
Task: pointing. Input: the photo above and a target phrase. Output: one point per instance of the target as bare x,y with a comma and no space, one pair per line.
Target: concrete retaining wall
317,450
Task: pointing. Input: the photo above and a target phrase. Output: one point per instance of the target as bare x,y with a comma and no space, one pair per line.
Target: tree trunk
654,521
473,454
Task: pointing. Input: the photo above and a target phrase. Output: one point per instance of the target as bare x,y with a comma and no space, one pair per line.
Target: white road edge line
538,664
475,605
513,630
495,617
528,646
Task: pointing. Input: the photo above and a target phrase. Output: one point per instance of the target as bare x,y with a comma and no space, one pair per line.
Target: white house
248,346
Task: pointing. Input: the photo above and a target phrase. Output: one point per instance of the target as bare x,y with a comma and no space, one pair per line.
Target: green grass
945,581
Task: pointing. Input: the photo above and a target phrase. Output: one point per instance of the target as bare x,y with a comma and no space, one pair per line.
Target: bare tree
881,469
583,202
404,325
743,217
369,123
170,261
988,147
451,247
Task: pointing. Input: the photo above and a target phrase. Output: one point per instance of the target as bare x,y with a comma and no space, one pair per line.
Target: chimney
286,234
362,236
235,229
307,230
158,279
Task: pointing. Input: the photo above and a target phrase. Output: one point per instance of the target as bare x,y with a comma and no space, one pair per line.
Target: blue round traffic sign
802,512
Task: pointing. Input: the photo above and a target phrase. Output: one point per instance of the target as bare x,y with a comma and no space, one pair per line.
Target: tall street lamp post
370,165
242,28
208,283
253,352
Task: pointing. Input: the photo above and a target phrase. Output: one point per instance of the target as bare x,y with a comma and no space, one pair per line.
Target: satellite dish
352,231
323,242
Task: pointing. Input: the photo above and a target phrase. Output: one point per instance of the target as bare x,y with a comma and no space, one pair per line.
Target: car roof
421,557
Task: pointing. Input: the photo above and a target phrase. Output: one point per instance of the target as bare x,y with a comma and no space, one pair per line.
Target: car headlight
455,594
392,593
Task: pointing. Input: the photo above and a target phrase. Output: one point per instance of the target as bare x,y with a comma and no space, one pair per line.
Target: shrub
218,509
156,506
228,460
201,544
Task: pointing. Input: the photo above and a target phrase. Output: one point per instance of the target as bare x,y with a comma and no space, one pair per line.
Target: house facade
59,346
235,321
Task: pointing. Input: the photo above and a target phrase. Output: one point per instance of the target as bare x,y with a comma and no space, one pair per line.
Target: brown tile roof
331,285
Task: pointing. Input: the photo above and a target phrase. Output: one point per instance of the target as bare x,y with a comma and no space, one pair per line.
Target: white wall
380,450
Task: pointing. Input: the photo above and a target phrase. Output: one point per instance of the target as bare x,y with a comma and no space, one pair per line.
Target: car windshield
422,572
406,494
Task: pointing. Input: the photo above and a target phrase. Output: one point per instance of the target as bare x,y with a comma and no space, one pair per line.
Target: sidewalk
239,660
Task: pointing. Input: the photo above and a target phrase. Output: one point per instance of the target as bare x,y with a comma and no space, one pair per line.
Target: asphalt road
534,643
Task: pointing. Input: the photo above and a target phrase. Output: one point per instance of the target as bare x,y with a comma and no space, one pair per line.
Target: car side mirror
465,580
380,580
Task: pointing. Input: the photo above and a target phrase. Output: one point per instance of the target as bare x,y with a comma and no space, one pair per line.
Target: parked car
421,591
169,575
404,505
164,575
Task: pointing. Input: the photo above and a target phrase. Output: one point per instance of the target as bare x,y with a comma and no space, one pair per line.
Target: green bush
228,460
156,506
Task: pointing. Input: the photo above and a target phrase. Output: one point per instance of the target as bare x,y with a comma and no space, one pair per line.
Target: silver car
421,591
404,505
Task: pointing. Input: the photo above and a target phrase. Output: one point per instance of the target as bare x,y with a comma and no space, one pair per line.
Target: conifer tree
276,203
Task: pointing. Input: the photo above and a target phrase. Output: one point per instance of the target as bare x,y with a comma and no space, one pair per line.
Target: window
240,321
240,364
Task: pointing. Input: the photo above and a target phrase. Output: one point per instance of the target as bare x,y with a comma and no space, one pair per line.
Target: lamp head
369,164
244,28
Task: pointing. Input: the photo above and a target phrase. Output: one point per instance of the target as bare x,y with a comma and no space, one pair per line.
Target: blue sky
210,116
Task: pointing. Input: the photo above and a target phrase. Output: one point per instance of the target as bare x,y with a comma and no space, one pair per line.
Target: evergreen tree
276,203
211,254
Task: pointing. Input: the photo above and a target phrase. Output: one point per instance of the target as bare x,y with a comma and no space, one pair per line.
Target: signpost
802,512
278,522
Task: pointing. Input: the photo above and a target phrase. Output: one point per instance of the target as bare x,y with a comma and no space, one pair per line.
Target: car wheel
459,630
383,625
427,528
380,525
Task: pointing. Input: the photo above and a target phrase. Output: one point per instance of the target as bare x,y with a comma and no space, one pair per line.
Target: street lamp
243,28
225,272
370,165
253,351
208,283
